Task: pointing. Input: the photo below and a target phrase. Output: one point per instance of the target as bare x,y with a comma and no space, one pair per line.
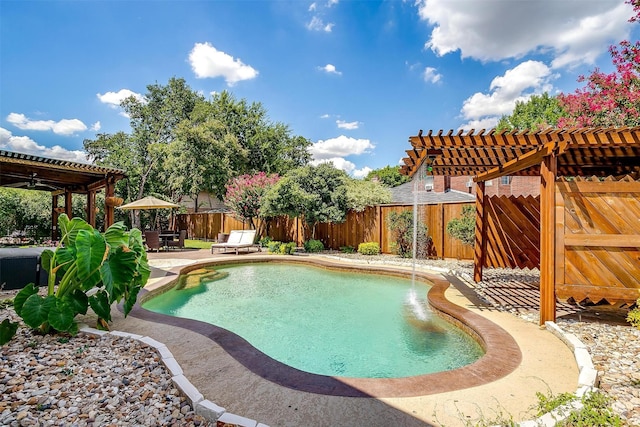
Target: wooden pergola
560,158
62,179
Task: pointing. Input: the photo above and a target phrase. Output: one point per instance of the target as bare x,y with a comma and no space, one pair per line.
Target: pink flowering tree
244,195
608,99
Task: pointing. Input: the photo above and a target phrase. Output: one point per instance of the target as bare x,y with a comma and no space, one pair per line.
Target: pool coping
502,354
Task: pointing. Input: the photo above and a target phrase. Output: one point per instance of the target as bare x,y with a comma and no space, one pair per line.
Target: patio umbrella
149,202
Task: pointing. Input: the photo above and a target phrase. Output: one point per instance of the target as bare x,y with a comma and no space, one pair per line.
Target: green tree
27,211
154,120
245,193
361,194
269,146
204,156
388,175
401,225
464,228
313,193
537,113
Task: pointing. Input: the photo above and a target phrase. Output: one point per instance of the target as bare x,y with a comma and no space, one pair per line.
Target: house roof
403,194
41,173
581,152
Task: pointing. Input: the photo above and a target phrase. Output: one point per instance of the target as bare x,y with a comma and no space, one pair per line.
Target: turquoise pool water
327,322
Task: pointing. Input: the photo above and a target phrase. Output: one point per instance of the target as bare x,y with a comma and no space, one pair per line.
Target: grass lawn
197,244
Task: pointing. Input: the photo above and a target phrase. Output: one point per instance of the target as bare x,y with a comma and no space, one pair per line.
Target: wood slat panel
513,232
601,240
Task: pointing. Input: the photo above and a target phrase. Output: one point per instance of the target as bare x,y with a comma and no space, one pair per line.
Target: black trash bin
21,266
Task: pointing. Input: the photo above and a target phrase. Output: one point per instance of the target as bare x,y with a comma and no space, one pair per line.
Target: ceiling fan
33,184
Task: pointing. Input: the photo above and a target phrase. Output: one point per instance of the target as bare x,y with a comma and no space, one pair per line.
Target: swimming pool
326,322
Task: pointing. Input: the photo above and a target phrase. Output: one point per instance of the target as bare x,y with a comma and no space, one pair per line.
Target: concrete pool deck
547,364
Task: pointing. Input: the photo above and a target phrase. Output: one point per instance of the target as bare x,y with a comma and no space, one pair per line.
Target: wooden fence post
480,248
548,170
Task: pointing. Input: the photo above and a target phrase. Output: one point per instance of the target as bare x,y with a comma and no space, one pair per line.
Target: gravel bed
56,380
113,381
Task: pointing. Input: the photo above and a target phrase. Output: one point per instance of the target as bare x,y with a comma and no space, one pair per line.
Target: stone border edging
587,379
201,406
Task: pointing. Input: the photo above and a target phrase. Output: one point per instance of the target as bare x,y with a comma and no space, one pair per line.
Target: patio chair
178,243
238,239
152,240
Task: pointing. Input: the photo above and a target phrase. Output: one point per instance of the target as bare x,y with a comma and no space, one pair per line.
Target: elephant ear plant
91,269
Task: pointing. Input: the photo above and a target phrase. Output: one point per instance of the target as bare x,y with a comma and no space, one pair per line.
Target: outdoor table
165,236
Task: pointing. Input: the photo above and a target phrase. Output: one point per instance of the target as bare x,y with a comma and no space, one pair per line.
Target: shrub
92,269
313,245
264,242
274,247
401,224
369,248
347,249
634,315
288,248
464,228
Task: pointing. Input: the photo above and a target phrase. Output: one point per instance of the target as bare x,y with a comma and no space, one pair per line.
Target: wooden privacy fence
598,240
513,232
366,226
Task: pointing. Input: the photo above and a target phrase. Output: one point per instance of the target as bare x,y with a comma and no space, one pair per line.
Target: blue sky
355,77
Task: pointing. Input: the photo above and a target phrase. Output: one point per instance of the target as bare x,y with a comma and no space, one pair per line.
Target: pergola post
548,171
54,216
480,247
91,208
109,216
68,203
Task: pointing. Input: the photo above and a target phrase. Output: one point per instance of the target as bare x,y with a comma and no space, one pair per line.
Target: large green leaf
7,331
130,300
117,235
123,264
91,282
77,301
22,296
35,310
69,229
90,252
144,271
45,259
60,316
65,257
99,303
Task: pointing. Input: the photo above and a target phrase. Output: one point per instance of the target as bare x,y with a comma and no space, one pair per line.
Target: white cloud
206,61
573,31
24,144
317,24
330,69
96,126
485,123
325,116
431,75
63,127
341,146
347,125
517,84
332,3
114,99
361,173
312,7
338,162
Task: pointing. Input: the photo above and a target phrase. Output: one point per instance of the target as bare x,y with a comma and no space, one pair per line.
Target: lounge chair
238,239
